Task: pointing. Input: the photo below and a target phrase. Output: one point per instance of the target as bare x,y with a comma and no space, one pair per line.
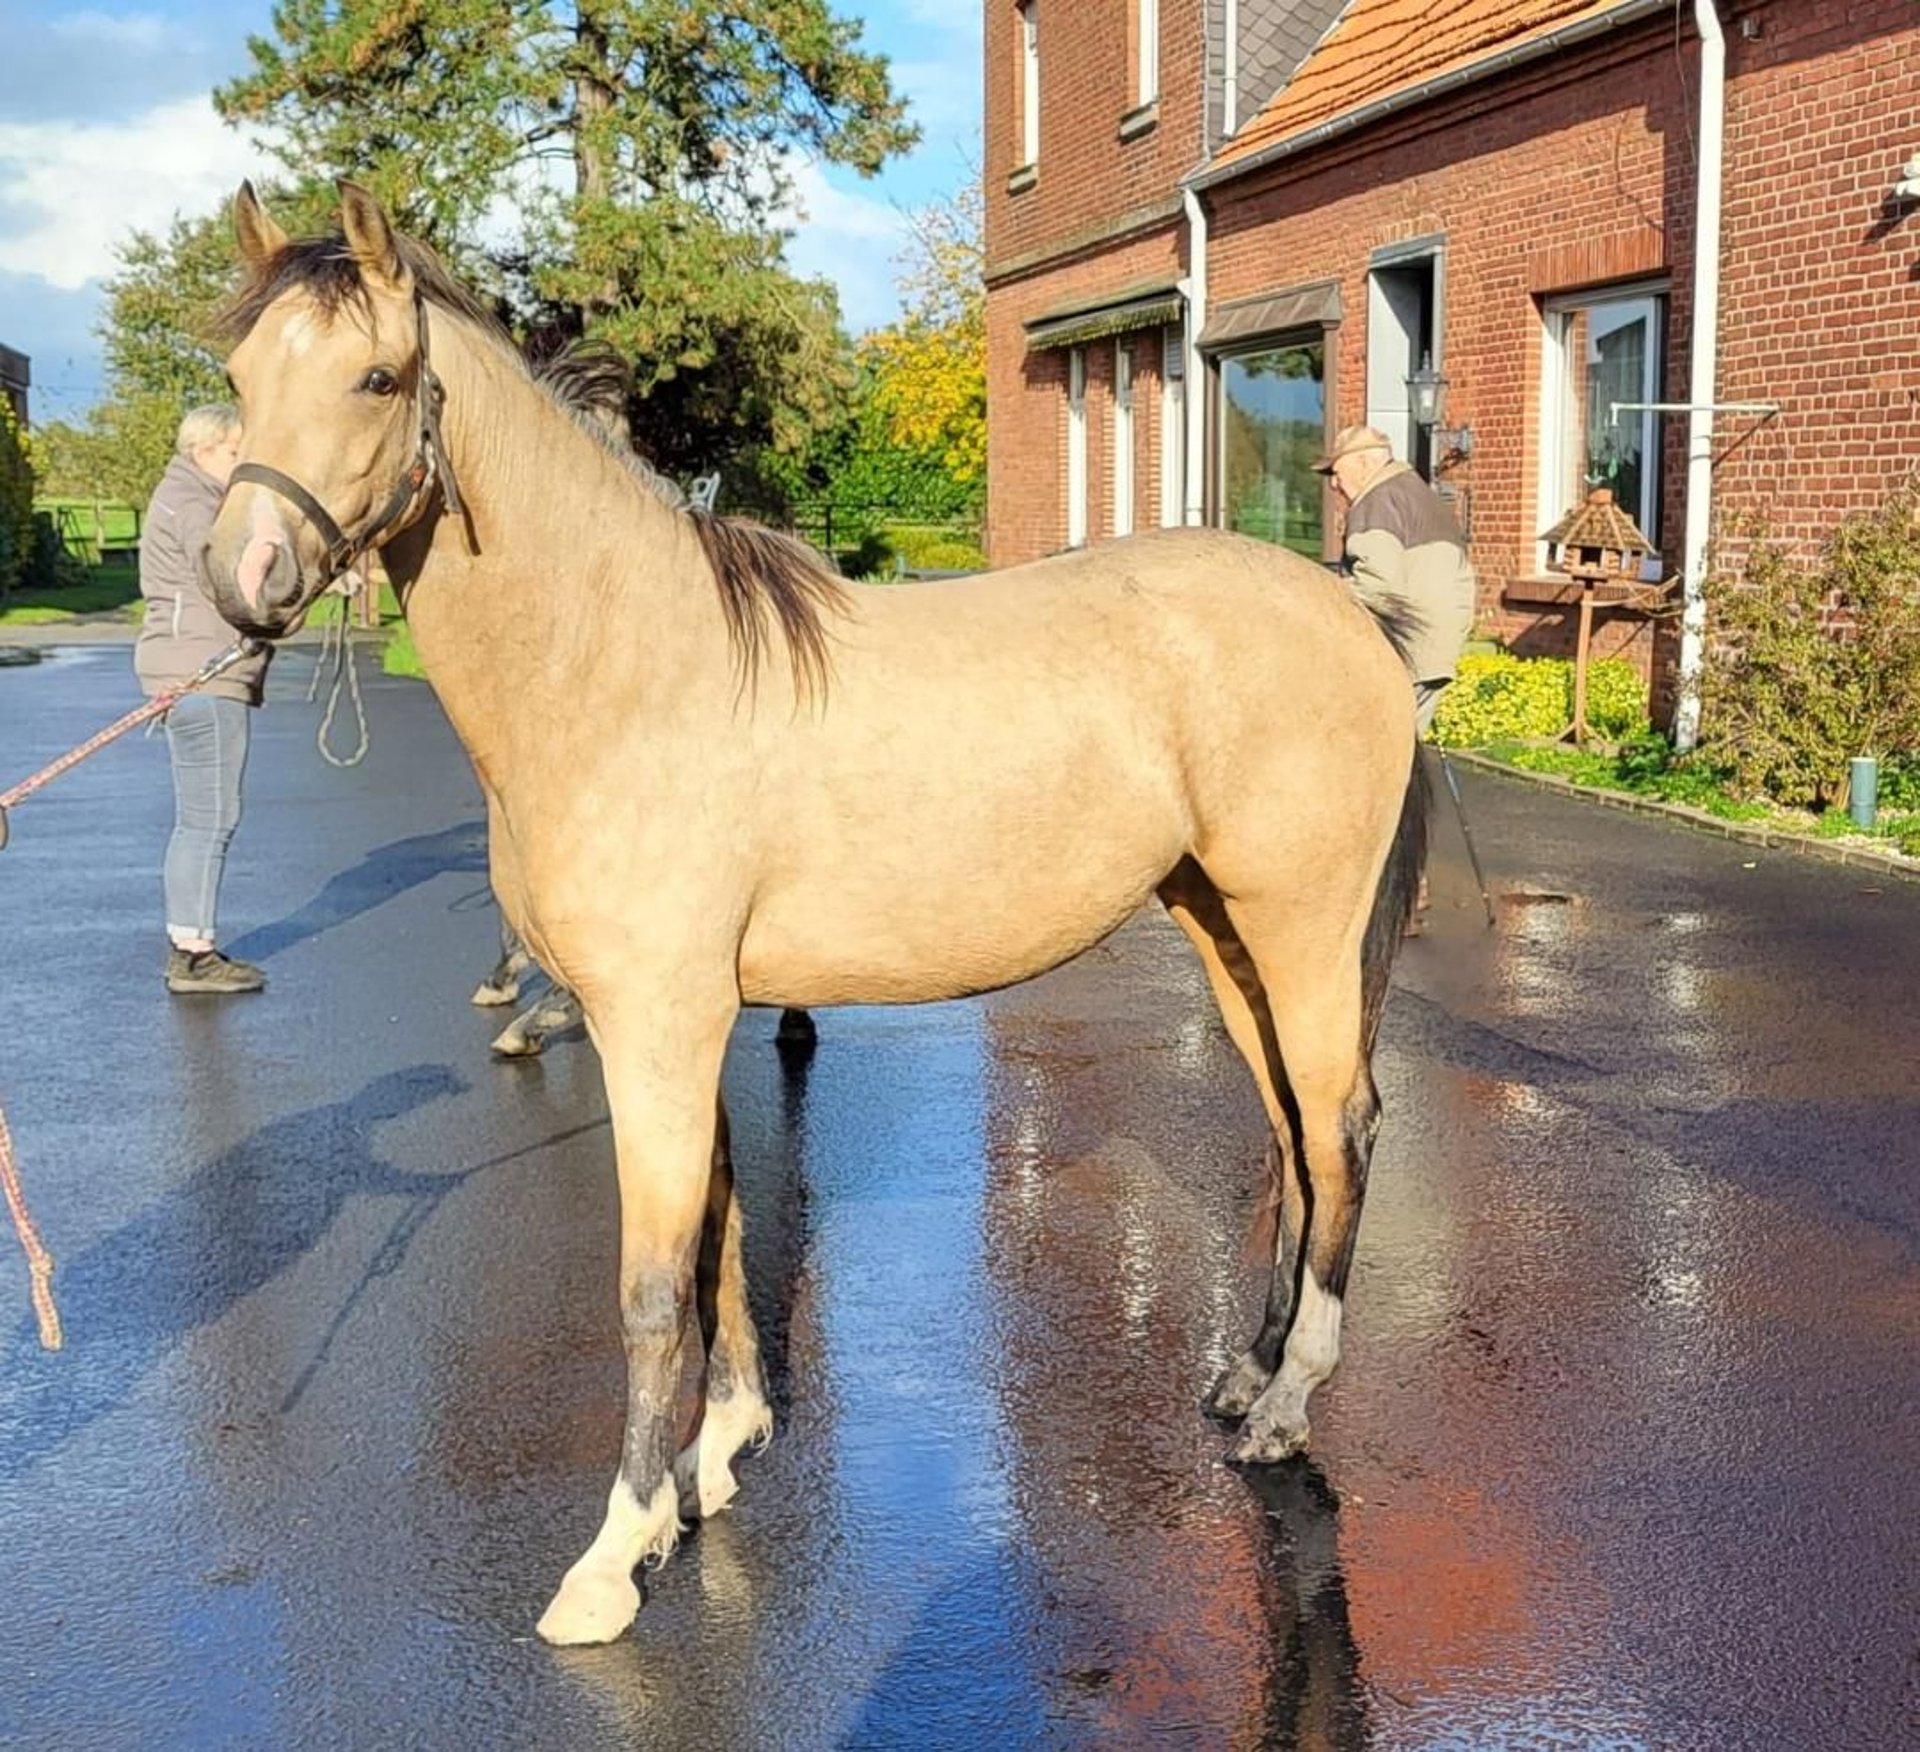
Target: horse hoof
516,1042
490,996
1263,1447
1234,1393
591,1608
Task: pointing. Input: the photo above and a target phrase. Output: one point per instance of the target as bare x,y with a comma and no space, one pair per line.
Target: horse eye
380,381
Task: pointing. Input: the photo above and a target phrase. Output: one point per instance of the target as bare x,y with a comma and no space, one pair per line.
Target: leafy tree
635,155
927,373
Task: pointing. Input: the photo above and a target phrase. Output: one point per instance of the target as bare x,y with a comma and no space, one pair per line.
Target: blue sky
106,127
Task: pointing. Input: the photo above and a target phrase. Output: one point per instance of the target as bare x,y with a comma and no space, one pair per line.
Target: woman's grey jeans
207,738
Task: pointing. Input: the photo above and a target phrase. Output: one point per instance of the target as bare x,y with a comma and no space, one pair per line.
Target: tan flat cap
1350,441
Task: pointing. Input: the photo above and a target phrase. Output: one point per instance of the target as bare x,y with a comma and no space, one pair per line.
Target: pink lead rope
39,1260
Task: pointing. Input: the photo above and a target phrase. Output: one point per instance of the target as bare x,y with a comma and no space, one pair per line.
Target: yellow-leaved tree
929,369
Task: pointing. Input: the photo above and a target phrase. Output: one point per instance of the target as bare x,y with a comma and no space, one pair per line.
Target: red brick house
1219,229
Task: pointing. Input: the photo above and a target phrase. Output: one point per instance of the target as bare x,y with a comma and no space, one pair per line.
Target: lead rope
39,1260
337,639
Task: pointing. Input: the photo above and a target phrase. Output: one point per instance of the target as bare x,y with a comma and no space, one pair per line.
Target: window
1077,447
1149,57
1603,352
1122,438
1273,428
1029,83
1173,431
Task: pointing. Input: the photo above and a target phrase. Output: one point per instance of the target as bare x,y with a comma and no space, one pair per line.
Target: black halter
429,468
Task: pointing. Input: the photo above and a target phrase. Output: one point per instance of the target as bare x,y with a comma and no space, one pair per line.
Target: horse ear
260,239
371,238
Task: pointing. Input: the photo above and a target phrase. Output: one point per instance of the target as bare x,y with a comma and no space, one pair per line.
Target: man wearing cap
1403,546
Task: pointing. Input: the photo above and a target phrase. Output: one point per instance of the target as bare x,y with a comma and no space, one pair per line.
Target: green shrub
1498,697
1815,662
1616,699
16,502
1900,783
934,548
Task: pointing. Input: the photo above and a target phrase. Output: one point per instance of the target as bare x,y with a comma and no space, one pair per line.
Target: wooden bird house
1601,549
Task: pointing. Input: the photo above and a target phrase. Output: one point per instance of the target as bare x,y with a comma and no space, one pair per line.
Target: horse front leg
662,1066
735,1411
553,1012
502,985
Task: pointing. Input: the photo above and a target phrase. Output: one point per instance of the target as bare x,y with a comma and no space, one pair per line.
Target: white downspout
1705,368
1196,287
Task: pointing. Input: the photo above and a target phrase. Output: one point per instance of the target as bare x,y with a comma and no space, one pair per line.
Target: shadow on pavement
377,878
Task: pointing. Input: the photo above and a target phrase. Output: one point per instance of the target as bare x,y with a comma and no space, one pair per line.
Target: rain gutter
1194,512
1704,361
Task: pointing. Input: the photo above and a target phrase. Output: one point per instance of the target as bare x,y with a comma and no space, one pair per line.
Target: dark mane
765,576
765,580
324,269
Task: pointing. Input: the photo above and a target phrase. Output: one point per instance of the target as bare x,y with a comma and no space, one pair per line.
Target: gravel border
1747,833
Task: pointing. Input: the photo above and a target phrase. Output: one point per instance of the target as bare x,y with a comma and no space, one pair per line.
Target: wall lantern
1426,402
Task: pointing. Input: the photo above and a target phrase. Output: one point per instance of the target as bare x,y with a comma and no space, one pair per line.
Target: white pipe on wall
1705,360
1195,512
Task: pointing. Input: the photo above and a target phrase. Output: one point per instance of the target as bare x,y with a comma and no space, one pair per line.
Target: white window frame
1076,447
1123,456
1029,82
1173,431
1558,421
1149,58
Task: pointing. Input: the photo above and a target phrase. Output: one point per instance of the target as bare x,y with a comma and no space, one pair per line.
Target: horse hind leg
1195,905
735,1412
1313,980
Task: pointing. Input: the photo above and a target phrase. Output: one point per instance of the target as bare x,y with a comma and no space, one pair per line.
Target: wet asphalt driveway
1625,1450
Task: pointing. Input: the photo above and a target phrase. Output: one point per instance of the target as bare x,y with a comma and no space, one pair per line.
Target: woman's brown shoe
207,970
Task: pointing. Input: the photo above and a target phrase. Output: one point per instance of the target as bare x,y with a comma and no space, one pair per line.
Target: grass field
111,589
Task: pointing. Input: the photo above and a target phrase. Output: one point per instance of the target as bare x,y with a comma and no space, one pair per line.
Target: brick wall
1027,403
1821,271
1088,176
1567,175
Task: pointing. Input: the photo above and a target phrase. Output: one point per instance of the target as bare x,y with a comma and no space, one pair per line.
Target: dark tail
1393,900
1399,889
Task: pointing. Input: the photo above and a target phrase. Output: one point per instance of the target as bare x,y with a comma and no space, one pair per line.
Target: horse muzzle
262,588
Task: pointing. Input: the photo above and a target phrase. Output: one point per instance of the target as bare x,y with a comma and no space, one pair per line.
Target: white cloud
72,191
848,238
142,33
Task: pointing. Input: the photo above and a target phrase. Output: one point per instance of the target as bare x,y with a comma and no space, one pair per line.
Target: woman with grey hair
206,730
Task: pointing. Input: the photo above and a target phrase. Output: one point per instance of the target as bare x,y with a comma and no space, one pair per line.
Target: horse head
340,447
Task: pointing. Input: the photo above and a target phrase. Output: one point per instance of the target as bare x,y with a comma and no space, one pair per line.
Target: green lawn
107,590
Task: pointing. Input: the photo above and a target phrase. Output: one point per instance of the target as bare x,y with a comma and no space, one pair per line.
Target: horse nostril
260,569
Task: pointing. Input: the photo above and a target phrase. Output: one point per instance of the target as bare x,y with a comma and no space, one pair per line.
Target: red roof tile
1381,47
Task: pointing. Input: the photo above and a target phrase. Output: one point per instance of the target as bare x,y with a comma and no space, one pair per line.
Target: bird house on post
1601,549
